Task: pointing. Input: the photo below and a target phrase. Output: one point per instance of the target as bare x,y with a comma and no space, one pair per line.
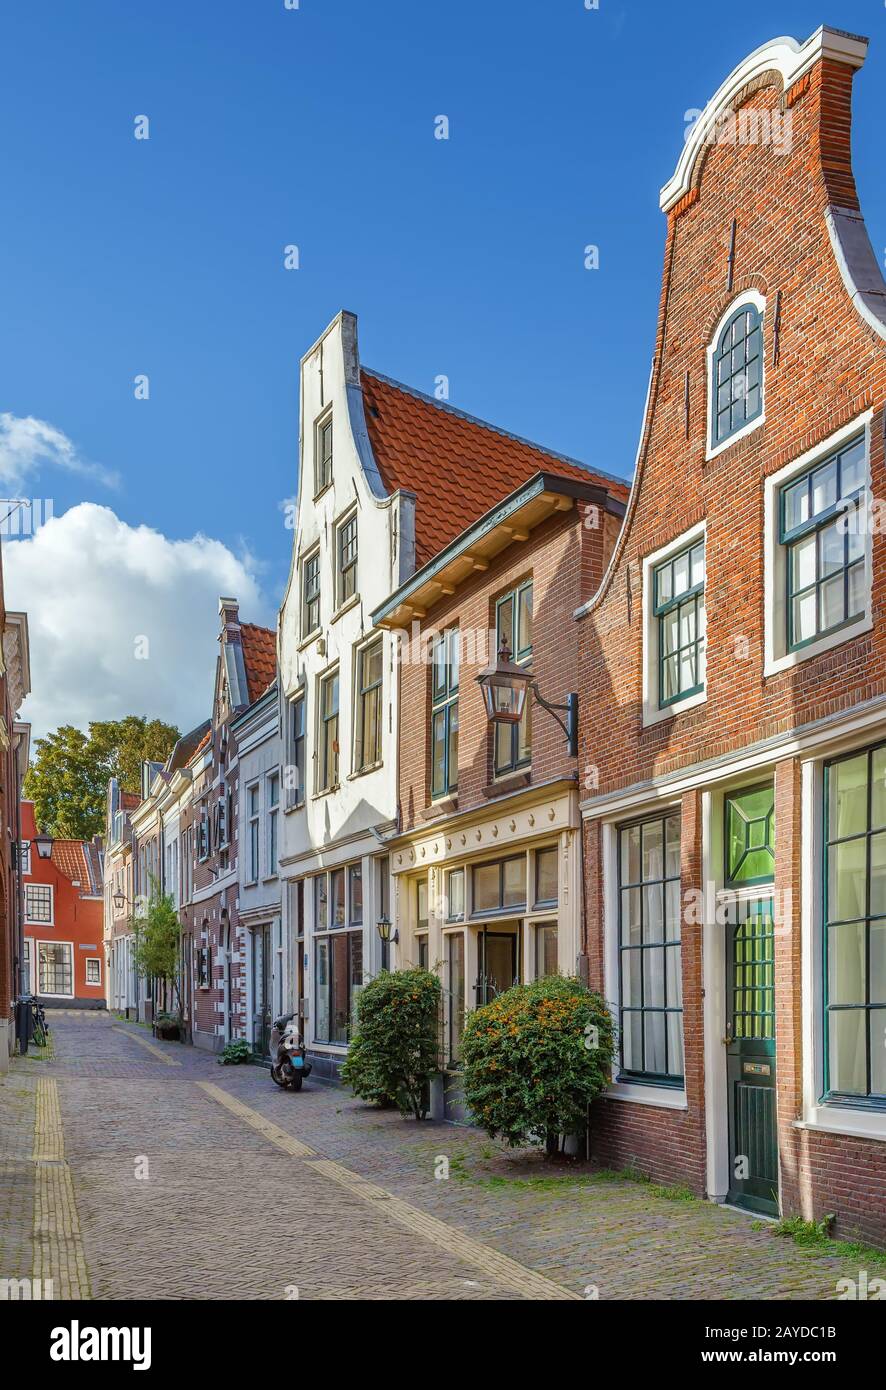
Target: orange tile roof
202,744
259,657
129,800
67,856
457,466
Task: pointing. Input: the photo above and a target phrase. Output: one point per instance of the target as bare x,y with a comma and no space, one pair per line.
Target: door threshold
747,1211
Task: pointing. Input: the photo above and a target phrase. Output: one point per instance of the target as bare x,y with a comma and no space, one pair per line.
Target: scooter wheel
278,1077
295,1083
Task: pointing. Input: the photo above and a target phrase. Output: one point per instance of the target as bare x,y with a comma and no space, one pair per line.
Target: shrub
394,1050
234,1052
535,1058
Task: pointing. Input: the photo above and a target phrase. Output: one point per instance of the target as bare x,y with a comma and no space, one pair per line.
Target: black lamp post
383,927
505,686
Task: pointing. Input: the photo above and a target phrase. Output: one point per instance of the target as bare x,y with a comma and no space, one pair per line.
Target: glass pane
506,624
697,564
653,912
339,1006
687,623
438,753
455,958
439,667
831,546
681,573
422,903
670,632
355,892
848,795
796,504
673,977
670,678
453,746
878,876
337,891
321,949
675,1044
878,1052
803,564
824,487
852,469
456,894
672,843
524,636
321,918
654,1030
687,669
803,617
846,881
664,587
857,591
653,978
832,602
632,1041
631,917
653,864
514,882
486,887
877,994
630,977
454,650
846,969
672,910
546,876
546,950
848,1054
630,854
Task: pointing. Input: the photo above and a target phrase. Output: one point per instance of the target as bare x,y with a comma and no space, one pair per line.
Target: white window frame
306,632
750,297
35,921
652,712
776,655
45,993
25,857
272,817
253,871
340,601
94,960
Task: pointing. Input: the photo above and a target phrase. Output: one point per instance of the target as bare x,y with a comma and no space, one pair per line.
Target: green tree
535,1058
68,779
157,935
394,1051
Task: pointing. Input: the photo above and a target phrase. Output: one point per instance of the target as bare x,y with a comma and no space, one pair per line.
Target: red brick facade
825,365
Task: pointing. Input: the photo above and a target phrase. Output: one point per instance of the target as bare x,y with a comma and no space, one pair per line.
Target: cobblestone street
132,1168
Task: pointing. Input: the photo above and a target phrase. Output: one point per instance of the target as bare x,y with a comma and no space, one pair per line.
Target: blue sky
315,126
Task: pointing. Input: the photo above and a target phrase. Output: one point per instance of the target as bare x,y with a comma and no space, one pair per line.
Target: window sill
324,489
657,714
311,637
842,1119
508,782
345,607
271,878
296,806
326,791
665,1097
773,665
444,807
364,771
718,449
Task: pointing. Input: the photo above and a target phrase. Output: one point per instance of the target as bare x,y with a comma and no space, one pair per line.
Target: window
421,922
825,551
204,967
513,629
455,983
367,749
546,891
25,857
26,967
338,950
855,928
310,589
273,811
346,561
203,835
38,903
736,366
498,886
55,967
679,611
750,836
328,767
444,713
324,453
294,780
545,950
455,895
93,970
252,814
650,987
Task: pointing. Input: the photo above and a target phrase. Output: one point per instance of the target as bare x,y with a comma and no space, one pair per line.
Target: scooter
290,1065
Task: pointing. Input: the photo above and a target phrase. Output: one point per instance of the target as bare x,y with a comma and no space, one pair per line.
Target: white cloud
27,444
93,587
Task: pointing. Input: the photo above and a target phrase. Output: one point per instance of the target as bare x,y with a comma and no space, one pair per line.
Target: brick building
737,660
486,863
15,684
63,960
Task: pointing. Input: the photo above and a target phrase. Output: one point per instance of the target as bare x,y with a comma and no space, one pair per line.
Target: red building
63,961
734,659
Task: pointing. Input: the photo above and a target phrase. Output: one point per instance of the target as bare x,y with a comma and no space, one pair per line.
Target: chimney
229,620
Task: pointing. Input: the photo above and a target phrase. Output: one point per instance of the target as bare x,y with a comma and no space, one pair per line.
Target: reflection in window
651,1003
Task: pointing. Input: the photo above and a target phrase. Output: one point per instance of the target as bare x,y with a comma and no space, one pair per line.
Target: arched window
737,374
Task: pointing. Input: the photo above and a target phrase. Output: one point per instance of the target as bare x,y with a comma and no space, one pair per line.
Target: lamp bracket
570,709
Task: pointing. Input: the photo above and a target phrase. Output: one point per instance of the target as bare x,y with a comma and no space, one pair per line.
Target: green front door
750,1056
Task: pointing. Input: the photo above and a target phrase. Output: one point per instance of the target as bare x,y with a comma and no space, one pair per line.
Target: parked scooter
290,1065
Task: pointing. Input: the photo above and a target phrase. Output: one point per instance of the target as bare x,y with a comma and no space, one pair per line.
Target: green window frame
854,929
737,374
509,887
749,838
444,713
324,454
513,626
311,594
825,560
679,611
347,559
650,952
367,752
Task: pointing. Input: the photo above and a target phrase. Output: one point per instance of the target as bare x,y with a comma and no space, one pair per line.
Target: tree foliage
535,1058
394,1051
157,933
68,779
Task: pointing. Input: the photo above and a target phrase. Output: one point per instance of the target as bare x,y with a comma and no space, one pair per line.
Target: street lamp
44,844
119,900
505,686
383,927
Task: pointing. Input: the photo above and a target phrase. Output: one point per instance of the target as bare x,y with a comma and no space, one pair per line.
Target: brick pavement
172,1177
